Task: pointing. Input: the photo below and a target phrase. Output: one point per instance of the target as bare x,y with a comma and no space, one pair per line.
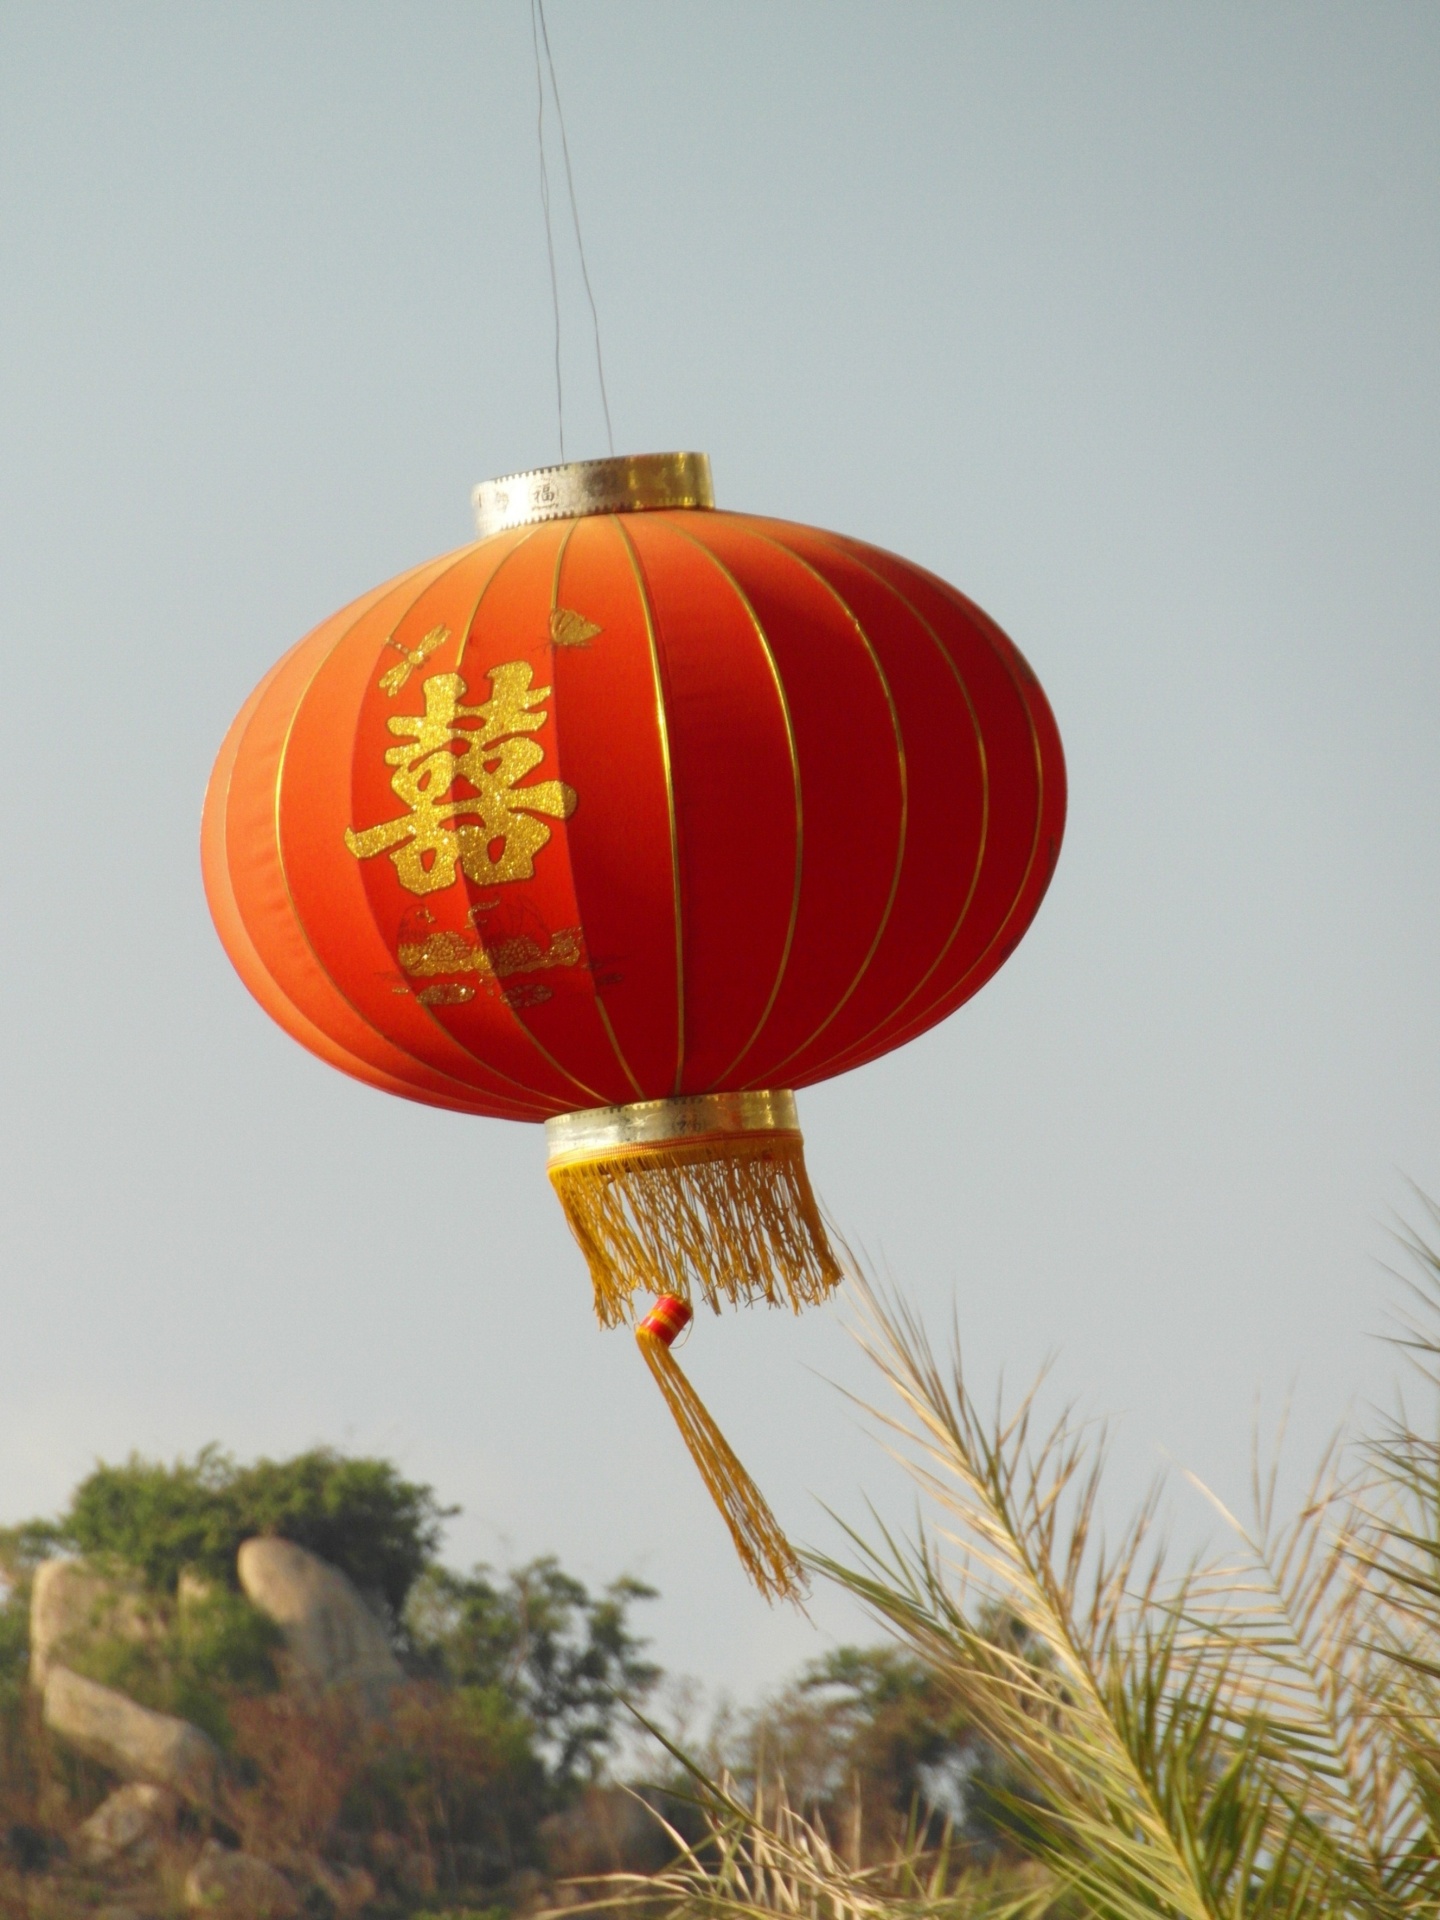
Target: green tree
871,1742
14,1667
894,1731
539,1639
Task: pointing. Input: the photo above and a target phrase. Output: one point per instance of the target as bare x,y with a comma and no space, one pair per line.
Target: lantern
633,817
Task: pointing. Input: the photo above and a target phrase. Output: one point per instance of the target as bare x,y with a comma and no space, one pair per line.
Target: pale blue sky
1123,317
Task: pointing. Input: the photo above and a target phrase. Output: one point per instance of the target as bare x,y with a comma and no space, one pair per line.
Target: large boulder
333,1639
127,1827
238,1886
73,1605
131,1740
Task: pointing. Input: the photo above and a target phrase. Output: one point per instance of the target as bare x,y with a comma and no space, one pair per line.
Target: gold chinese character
435,836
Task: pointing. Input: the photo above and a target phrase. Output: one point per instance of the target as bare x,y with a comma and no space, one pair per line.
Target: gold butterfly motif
571,629
412,657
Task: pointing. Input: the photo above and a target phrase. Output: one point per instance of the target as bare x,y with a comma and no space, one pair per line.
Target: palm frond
1123,1737
1254,1738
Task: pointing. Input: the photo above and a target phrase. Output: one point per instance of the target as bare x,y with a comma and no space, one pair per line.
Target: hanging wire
545,203
539,7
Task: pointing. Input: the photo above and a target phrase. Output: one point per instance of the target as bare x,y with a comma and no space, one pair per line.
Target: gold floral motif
571,629
412,657
493,761
527,994
445,993
462,953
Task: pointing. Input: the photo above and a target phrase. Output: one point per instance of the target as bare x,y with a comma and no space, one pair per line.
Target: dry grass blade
761,1857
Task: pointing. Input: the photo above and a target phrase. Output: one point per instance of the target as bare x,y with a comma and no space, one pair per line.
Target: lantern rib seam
663,728
560,553
517,1023
919,1021
917,1024
959,678
224,877
597,998
763,637
442,568
901,837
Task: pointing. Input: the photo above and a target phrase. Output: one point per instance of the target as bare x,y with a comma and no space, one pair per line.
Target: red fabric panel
735,794
850,785
946,796
1027,799
618,839
537,1022
659,685
335,778
225,911
550,1011
257,881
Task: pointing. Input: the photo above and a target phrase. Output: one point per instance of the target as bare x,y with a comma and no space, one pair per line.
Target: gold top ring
628,483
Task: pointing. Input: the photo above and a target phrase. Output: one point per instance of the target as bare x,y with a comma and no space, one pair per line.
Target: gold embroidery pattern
395,679
428,843
529,993
455,953
445,993
571,629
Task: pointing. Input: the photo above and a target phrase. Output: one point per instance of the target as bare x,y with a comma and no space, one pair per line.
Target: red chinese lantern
633,817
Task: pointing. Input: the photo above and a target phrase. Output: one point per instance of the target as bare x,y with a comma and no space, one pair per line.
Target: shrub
361,1515
201,1654
458,1777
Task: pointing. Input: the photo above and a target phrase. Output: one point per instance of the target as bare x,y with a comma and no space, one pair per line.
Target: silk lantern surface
792,801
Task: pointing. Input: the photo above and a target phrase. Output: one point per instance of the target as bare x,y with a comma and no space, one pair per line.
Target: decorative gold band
598,1131
630,483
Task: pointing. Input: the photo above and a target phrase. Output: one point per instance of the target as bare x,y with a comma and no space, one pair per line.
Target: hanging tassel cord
765,1553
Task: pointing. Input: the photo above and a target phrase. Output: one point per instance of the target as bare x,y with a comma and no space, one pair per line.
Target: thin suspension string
545,203
575,218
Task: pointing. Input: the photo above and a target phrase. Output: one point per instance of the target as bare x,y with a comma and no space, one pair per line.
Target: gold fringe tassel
729,1218
765,1553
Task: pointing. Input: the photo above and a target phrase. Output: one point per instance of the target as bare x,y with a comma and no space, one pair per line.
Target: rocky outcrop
73,1605
127,1827
129,1739
333,1639
238,1886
